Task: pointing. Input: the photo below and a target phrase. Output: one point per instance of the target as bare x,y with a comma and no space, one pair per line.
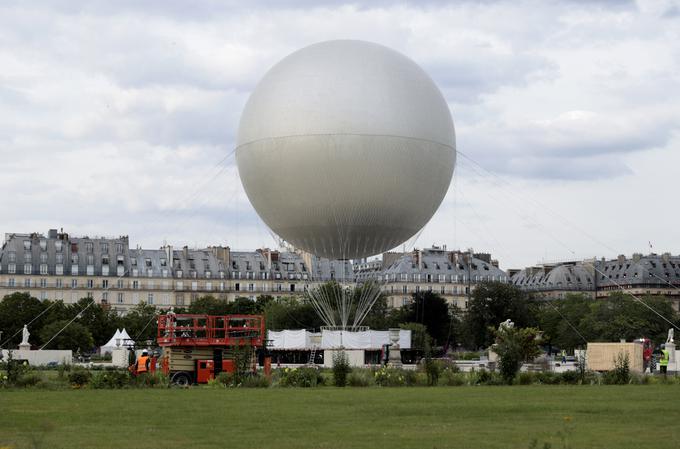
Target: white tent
119,339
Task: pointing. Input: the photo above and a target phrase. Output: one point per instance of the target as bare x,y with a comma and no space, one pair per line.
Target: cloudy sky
117,118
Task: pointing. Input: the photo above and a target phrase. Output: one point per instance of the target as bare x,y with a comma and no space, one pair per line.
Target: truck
196,348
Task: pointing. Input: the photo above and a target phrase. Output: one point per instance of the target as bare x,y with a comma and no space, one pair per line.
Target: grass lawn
443,417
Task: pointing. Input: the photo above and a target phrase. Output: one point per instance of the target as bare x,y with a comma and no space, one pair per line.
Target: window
251,287
150,285
58,246
194,286
105,259
119,298
147,262
150,298
59,258
166,299
43,268
208,286
74,283
43,283
11,282
43,257
12,256
119,248
179,273
237,287
28,257
135,285
59,283
179,299
179,285
105,270
27,282
90,259
90,283
90,270
74,259
89,247
292,287
43,295
119,283
105,283
207,275
28,268
11,268
164,263
27,245
105,297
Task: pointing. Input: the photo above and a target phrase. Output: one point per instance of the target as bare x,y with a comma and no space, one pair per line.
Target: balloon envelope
346,149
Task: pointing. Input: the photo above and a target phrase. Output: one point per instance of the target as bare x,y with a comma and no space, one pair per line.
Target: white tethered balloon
346,149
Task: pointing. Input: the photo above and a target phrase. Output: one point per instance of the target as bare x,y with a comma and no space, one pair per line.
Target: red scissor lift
196,348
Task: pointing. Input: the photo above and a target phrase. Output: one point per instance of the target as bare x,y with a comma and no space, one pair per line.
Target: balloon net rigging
342,306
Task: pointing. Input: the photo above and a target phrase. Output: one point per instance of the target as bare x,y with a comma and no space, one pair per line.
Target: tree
420,339
16,310
291,313
571,322
102,323
430,309
140,322
492,303
209,305
378,317
515,346
74,337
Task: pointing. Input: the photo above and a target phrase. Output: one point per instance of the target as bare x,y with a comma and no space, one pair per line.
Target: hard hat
144,351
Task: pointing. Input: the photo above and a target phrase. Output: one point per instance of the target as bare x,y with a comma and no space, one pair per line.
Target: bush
226,379
452,378
110,379
389,377
149,380
300,377
547,378
79,377
526,378
28,380
570,378
256,381
413,378
433,369
341,368
360,378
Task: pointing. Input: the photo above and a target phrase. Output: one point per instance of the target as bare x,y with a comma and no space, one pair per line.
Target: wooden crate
601,356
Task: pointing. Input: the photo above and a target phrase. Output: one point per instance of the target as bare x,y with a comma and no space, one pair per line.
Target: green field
463,417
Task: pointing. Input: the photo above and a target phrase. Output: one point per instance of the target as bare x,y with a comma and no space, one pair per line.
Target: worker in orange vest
143,362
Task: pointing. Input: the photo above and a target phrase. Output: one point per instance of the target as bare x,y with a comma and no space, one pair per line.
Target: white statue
507,324
671,332
24,335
